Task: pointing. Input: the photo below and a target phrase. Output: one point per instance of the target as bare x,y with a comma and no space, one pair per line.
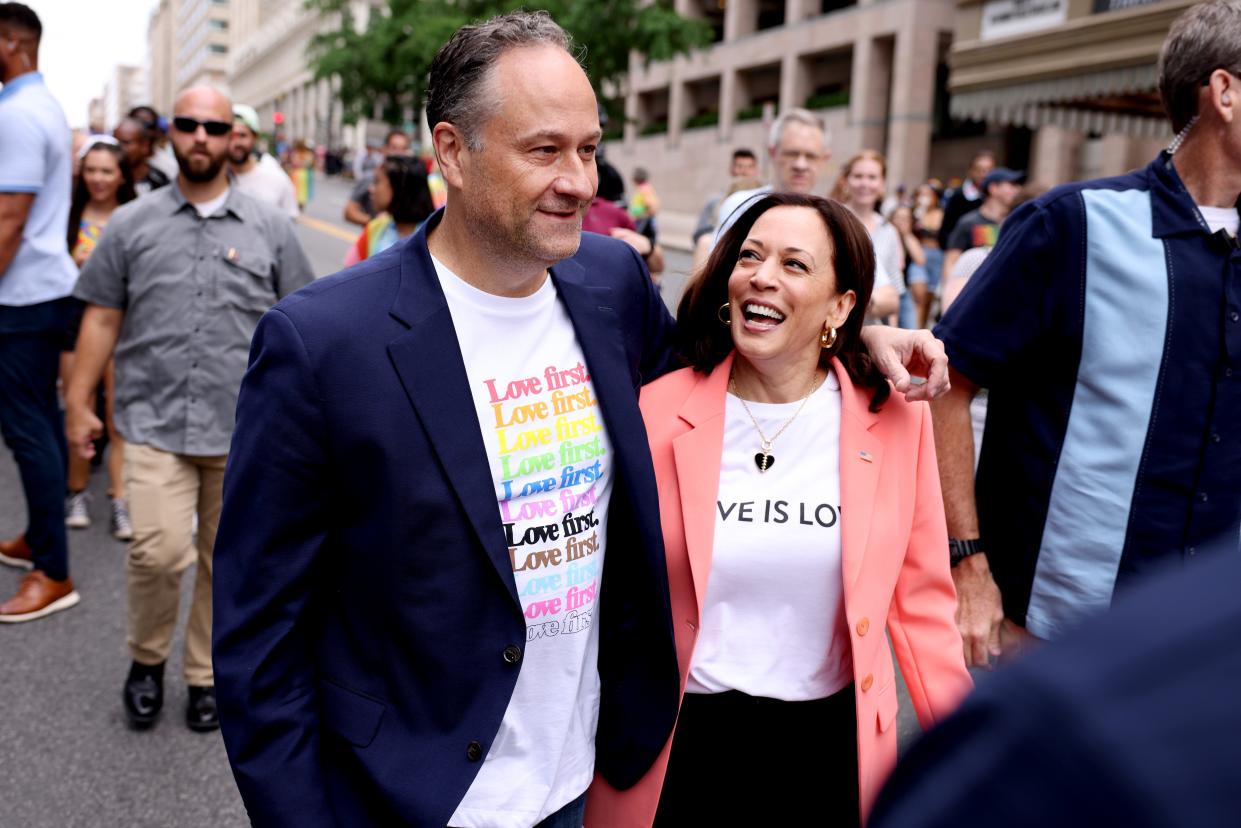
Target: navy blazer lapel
596,320
597,324
428,360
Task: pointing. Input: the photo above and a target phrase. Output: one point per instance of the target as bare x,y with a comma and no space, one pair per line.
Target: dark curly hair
704,342
411,195
81,195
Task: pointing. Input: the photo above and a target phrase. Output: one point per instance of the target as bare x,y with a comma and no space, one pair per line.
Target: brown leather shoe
16,553
38,596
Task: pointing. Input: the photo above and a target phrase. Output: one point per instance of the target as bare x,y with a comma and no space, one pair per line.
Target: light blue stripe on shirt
1124,327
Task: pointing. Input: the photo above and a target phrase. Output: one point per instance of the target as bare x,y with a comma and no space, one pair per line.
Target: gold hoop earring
727,320
827,338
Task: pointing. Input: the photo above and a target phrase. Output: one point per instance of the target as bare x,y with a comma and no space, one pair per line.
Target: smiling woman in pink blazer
801,516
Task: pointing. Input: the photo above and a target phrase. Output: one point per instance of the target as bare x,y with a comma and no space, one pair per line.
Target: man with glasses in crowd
176,288
798,150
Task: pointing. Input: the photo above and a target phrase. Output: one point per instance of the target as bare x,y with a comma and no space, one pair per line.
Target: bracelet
959,550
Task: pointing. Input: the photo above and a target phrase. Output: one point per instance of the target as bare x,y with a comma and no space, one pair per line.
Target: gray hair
456,91
796,115
1205,38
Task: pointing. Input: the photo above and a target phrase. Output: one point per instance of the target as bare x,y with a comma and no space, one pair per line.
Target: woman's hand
901,354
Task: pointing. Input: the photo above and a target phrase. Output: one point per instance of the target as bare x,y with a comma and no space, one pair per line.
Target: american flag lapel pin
865,455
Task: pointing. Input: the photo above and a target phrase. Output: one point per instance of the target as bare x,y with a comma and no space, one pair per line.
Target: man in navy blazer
440,588
370,636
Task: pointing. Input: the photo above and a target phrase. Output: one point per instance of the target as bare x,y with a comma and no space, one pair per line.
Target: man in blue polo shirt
1107,326
36,280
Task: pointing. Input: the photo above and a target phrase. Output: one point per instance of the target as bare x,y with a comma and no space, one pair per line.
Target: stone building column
688,8
794,81
796,11
869,90
677,94
1054,156
729,102
632,102
311,110
293,115
915,60
740,19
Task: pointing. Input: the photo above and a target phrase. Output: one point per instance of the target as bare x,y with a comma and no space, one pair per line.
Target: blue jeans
31,339
570,816
929,273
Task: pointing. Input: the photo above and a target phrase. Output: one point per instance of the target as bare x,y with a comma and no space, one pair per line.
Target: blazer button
512,654
474,751
867,681
863,626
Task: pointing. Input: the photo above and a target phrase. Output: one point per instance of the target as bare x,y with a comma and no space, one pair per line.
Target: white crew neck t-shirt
272,186
207,208
551,461
773,621
1221,218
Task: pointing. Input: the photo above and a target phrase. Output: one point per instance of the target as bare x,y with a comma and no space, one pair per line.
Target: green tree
382,68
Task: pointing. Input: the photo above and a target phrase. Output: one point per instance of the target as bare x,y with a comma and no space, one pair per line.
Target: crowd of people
485,536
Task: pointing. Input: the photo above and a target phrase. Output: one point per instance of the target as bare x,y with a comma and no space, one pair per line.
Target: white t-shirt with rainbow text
551,463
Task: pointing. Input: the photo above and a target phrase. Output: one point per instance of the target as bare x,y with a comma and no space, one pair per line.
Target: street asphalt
69,756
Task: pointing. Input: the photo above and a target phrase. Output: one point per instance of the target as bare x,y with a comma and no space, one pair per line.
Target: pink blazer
895,563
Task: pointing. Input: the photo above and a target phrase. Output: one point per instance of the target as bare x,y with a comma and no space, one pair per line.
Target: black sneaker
201,715
143,694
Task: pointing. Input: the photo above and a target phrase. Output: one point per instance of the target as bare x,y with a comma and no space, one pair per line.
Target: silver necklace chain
764,441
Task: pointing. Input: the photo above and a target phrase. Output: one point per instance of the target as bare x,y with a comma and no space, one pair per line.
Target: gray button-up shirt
193,290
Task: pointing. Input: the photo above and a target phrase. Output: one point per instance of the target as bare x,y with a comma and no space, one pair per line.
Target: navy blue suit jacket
1132,720
364,595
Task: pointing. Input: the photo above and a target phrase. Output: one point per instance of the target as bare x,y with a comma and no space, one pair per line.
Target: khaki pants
165,490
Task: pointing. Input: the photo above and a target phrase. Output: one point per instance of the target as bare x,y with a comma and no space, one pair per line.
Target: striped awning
1069,102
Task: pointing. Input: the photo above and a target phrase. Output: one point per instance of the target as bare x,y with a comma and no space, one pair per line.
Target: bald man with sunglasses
176,288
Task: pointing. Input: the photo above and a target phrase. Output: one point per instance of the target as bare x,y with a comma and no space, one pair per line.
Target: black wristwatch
959,550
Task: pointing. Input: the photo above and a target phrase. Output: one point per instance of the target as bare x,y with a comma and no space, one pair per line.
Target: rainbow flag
439,193
304,183
378,235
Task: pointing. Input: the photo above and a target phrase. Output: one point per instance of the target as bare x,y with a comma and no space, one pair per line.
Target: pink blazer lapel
861,456
697,456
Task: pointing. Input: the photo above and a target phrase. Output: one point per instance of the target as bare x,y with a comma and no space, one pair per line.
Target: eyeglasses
191,125
809,157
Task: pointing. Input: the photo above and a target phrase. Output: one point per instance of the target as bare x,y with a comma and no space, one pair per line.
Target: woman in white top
801,516
861,186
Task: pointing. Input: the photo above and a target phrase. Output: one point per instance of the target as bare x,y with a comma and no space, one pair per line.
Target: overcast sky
83,41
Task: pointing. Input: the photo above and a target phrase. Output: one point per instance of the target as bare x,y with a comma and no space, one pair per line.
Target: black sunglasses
191,125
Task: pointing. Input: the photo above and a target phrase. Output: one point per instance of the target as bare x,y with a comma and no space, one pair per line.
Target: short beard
199,177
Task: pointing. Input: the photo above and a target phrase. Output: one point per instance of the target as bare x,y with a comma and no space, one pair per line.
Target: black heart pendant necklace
765,459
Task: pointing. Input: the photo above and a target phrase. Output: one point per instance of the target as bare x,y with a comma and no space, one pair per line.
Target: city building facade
161,54
203,43
124,90
873,69
271,72
1080,75
96,116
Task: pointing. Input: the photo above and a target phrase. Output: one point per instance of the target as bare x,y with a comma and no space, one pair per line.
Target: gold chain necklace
764,459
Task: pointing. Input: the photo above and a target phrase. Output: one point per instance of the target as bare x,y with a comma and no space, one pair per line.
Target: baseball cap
1003,174
247,116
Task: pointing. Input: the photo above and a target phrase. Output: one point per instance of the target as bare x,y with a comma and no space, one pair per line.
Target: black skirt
744,760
